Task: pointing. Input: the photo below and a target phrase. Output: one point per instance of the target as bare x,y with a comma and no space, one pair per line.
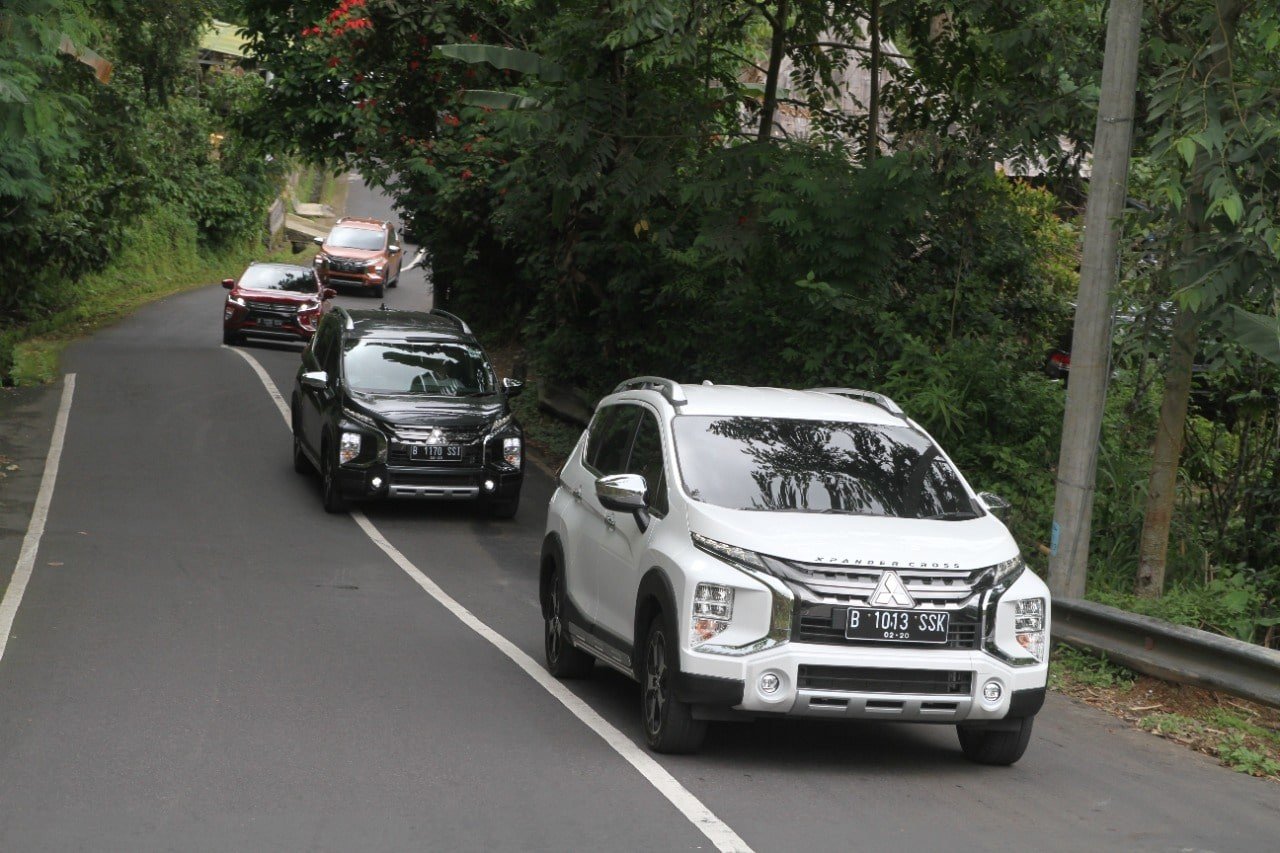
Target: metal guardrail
1148,645
1172,652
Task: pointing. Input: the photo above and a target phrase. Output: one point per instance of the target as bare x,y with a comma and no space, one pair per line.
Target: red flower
333,62
474,37
452,121
466,174
359,78
466,147
414,64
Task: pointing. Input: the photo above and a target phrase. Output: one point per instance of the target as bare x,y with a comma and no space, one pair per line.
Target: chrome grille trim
931,588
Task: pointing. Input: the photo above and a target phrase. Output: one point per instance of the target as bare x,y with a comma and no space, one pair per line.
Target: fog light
489,485
376,482
991,691
769,683
349,449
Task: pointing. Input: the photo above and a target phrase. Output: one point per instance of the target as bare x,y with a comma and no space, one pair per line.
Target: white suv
763,551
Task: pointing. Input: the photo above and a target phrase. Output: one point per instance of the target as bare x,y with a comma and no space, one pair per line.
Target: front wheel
330,490
1000,747
669,725
564,659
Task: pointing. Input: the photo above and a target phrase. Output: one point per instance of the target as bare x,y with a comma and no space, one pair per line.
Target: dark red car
275,302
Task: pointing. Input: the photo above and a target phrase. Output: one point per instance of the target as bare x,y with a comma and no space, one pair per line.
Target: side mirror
996,505
624,493
319,241
393,248
328,293
228,283
316,380
512,387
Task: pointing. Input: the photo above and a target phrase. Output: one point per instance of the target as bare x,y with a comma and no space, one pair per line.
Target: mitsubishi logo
891,592
436,436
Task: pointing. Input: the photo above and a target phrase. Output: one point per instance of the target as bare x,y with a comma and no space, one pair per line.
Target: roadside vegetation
667,186
1242,735
119,190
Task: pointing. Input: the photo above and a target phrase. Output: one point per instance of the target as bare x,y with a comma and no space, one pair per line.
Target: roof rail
440,312
872,397
343,312
667,387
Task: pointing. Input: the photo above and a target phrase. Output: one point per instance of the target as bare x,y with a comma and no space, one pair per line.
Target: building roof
221,37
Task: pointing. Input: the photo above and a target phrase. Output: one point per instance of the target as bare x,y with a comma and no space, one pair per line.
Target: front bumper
379,481
907,685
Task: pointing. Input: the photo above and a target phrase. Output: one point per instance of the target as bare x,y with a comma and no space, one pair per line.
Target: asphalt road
205,660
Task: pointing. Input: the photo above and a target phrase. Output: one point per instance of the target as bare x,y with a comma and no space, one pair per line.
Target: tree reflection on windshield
786,464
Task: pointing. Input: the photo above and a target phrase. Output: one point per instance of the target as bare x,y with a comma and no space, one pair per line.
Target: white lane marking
39,515
724,838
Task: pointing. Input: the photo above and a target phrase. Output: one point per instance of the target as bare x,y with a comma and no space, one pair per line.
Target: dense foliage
612,182
83,163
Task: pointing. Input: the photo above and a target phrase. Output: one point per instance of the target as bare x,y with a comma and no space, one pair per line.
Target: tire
376,290
994,746
564,660
330,490
301,463
669,726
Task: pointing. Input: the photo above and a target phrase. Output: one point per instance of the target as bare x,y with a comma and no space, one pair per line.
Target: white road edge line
39,515
719,832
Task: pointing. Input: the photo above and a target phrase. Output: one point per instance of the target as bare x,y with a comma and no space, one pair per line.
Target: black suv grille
862,679
823,623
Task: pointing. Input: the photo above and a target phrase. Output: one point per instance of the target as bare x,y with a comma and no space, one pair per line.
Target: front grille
439,435
854,584
862,679
345,266
822,623
272,310
423,478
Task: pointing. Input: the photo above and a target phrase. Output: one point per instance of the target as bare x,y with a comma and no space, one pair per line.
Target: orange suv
363,253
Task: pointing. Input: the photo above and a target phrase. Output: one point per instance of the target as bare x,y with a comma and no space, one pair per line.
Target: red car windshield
270,277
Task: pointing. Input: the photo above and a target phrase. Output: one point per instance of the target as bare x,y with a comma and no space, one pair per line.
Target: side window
646,460
322,342
391,235
332,351
609,440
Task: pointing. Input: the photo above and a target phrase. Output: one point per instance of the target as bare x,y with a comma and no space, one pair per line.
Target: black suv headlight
361,439
504,443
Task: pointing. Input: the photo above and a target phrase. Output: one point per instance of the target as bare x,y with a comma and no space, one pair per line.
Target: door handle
609,520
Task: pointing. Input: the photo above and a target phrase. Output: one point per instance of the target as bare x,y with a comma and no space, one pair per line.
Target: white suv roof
745,401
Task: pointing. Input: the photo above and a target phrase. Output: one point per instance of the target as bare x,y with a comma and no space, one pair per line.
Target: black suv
404,404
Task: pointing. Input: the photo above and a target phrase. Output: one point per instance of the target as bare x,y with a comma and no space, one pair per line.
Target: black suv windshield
345,237
440,369
292,279
783,464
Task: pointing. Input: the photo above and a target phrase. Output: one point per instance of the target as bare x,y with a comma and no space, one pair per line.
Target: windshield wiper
954,515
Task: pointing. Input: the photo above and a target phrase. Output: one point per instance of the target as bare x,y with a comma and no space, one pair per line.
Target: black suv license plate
898,626
436,451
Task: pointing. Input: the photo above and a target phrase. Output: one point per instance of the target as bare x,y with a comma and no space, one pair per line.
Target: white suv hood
857,539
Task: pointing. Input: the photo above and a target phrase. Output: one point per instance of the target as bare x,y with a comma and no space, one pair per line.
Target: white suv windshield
791,465
437,369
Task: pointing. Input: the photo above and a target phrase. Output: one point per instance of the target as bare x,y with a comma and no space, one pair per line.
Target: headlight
236,300
712,612
1028,625
319,259
349,448
1007,572
375,264
711,605
511,451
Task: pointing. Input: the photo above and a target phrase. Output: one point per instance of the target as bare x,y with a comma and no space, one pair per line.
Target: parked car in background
404,404
273,302
360,253
810,554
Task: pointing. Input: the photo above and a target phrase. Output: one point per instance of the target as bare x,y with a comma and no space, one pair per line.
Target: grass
160,258
1243,736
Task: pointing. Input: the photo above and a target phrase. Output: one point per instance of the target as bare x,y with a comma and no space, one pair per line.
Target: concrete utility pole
1091,338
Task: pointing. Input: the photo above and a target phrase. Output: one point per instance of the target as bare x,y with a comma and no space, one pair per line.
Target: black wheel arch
655,595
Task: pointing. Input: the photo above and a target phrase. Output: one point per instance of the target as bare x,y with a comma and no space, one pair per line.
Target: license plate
898,626
271,322
435,451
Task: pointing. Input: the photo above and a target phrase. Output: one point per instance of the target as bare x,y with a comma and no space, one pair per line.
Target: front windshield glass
267,277
344,237
443,369
791,465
